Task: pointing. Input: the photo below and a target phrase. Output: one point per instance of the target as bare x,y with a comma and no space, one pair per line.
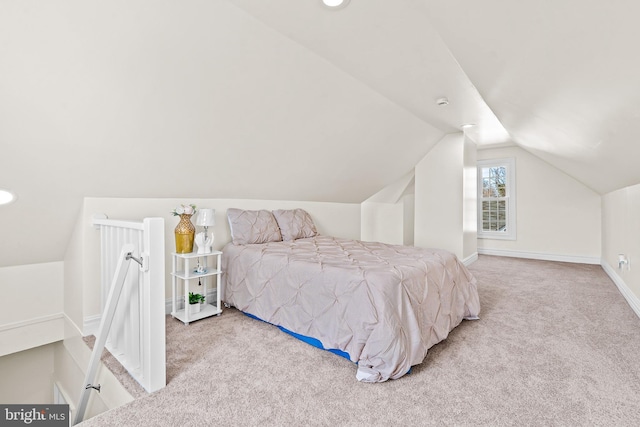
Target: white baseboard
631,298
90,325
470,259
70,327
540,255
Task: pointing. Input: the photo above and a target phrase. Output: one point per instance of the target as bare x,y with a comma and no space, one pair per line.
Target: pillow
295,224
248,227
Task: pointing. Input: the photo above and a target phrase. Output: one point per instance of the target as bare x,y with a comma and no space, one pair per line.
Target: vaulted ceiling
563,78
560,79
284,99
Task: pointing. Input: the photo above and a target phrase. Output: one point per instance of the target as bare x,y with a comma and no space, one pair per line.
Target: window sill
496,236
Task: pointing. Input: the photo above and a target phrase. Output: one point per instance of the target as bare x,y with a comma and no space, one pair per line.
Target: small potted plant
194,303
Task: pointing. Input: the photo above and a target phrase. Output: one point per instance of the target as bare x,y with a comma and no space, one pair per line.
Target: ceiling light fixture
6,197
467,125
335,4
442,101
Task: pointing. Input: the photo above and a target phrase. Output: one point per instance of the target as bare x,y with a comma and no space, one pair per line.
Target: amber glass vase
185,232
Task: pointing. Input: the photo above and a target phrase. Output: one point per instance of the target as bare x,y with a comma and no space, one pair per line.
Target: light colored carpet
128,382
556,345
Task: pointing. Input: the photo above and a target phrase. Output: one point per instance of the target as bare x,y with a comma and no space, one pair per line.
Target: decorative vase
194,309
185,232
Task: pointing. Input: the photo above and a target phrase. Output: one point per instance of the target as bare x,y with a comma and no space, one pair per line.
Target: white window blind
496,199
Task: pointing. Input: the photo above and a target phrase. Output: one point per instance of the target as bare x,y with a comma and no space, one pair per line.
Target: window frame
510,194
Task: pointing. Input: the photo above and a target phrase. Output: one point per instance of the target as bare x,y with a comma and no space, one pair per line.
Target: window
497,199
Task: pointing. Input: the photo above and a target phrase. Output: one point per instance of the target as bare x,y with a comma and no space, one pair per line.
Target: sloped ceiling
392,48
560,79
563,77
284,99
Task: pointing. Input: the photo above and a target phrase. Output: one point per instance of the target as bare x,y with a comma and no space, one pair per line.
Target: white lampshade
206,217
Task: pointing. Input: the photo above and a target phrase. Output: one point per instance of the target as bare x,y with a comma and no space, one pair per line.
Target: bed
381,306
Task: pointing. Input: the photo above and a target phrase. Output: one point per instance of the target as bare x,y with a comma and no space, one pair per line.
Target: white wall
387,216
439,184
336,219
470,201
74,275
383,222
409,208
27,376
31,310
557,217
621,235
444,199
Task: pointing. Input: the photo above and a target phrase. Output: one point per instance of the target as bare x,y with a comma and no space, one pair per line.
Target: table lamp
206,218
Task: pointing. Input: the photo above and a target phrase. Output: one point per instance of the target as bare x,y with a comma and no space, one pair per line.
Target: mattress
381,305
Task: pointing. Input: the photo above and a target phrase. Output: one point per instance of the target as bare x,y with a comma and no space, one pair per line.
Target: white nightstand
184,269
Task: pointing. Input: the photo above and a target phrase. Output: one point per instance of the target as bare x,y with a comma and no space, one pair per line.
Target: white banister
103,331
136,337
153,310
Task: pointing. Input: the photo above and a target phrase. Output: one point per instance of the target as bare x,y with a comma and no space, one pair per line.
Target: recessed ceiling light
442,101
6,197
335,4
467,125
